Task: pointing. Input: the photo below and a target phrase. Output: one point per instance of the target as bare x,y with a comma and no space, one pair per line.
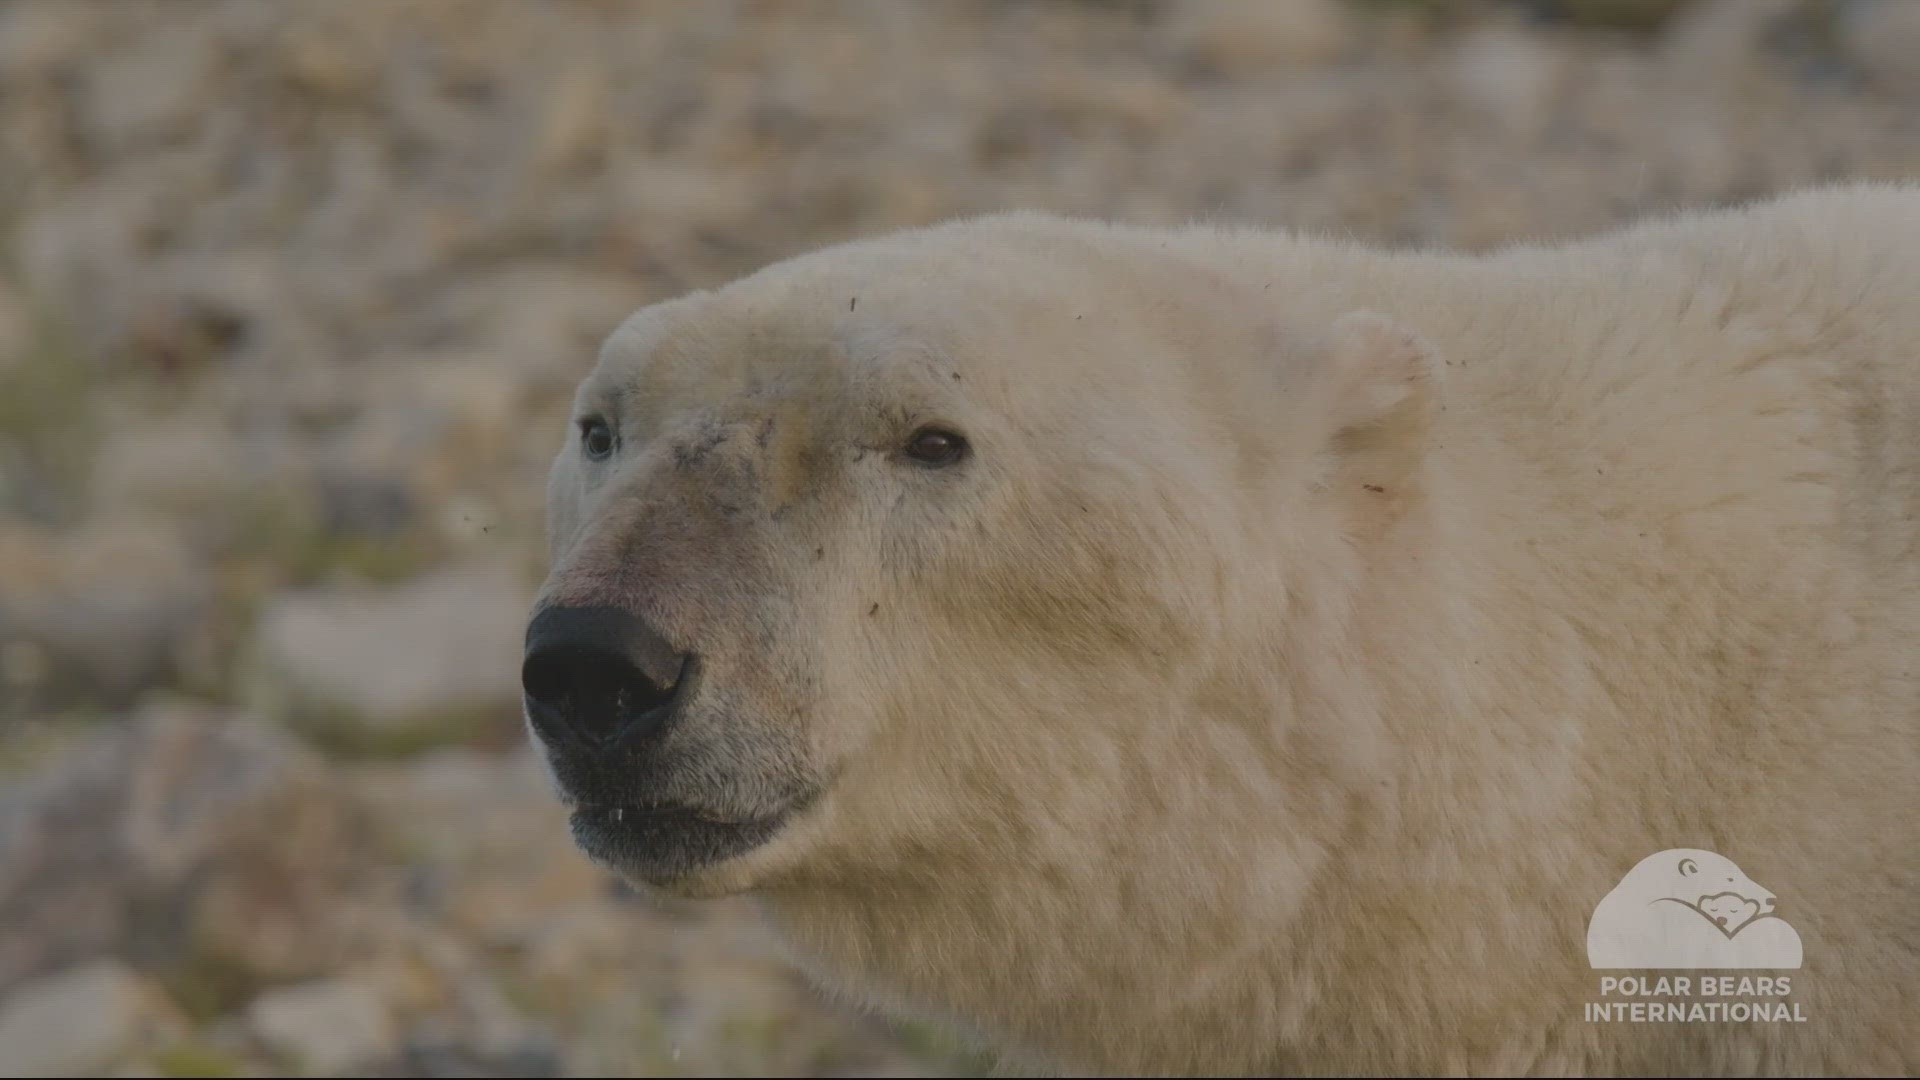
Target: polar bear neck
1603,566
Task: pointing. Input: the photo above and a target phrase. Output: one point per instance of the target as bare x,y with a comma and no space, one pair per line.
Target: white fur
1281,687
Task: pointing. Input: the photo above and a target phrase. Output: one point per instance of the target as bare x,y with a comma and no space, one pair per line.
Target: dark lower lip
663,842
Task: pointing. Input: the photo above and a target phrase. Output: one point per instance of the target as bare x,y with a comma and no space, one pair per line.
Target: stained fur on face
1309,637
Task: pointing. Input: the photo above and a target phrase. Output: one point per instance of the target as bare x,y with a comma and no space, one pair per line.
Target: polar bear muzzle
604,694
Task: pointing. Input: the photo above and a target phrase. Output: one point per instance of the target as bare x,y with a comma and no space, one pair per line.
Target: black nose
600,678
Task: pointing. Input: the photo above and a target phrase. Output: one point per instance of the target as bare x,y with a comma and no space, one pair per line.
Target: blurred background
292,301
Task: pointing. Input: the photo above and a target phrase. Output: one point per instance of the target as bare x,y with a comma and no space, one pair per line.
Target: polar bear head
1700,879
1730,911
945,549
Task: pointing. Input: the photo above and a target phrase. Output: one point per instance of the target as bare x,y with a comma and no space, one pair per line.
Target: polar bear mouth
662,841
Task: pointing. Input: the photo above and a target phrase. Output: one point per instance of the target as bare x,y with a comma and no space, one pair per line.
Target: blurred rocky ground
292,300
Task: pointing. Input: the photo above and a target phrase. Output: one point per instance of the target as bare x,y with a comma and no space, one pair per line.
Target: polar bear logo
1687,908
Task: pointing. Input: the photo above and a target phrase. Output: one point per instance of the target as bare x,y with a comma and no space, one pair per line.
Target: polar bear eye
936,446
596,438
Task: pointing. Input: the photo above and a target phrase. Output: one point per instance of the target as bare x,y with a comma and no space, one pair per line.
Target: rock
185,463
80,1021
111,610
36,40
16,327
389,664
487,839
543,317
428,1055
497,1028
1616,14
325,1028
407,983
364,502
82,254
571,941
154,92
1241,40
1718,42
1508,75
198,308
573,122
1883,37
436,424
211,848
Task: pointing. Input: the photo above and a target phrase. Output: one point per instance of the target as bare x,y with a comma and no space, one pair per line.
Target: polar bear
1688,908
1730,911
1213,651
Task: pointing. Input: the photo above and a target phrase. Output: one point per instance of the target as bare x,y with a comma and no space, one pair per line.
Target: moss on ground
196,1059
47,426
